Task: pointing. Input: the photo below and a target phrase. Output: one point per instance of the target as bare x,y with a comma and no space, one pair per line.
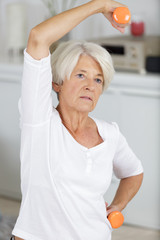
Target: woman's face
81,92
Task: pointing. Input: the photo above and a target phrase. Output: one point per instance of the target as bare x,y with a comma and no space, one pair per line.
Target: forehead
88,62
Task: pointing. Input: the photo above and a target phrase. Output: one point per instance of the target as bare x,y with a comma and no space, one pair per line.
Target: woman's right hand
108,8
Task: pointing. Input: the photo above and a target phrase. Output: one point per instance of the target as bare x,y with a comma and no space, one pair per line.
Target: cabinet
9,132
137,111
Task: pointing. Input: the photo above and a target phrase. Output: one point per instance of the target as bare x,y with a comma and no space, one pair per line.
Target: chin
85,109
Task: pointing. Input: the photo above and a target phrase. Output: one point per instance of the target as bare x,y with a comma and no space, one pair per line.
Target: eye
80,75
98,80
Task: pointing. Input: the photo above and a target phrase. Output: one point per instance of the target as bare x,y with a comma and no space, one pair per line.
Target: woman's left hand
111,208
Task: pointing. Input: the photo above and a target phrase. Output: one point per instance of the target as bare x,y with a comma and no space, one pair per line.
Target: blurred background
132,100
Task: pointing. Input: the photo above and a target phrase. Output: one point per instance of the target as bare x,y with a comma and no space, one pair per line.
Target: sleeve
35,103
125,162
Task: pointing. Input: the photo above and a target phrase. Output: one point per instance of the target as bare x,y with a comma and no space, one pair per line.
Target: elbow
37,38
33,37
138,179
36,46
141,176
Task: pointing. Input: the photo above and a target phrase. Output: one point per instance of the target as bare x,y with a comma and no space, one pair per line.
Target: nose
89,84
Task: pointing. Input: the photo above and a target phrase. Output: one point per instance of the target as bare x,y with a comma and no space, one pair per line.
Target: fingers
110,19
109,211
120,29
113,208
106,204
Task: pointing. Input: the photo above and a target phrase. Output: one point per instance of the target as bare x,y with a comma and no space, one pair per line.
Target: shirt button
89,168
89,161
88,154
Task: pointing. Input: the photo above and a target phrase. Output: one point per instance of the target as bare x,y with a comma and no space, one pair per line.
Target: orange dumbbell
116,219
121,16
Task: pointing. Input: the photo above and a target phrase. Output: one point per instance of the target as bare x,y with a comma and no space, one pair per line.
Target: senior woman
67,157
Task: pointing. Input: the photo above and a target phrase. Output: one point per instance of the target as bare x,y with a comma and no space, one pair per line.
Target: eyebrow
81,70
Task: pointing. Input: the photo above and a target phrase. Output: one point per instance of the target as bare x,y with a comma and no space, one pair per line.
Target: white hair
66,56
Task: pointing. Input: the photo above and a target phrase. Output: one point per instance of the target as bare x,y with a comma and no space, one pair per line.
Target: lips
86,98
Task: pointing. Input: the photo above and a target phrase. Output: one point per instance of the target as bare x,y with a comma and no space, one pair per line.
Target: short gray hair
66,56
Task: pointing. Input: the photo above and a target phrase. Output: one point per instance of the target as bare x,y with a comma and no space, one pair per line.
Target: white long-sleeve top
63,182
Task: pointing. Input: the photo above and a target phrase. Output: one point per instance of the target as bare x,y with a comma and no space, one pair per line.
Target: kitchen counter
147,80
11,72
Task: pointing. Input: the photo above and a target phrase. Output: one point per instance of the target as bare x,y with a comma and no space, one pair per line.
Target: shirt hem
138,172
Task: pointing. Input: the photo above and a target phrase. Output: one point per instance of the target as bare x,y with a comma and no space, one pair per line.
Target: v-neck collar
76,142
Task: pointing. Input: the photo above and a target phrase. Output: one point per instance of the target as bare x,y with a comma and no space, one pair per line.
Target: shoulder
104,124
107,129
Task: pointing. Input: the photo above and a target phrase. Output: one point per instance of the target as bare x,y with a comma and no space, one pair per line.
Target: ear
56,87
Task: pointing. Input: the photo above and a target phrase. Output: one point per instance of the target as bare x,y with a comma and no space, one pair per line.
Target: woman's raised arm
51,30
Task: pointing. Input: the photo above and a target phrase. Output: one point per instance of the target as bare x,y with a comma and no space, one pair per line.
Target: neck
72,119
